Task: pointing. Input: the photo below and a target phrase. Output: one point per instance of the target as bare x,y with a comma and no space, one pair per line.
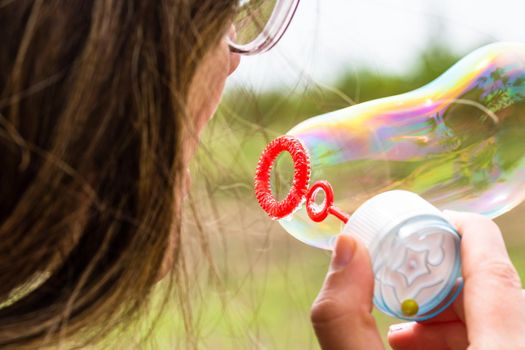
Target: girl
101,105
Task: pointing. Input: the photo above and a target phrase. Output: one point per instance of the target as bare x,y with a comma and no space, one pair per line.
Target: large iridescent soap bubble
459,142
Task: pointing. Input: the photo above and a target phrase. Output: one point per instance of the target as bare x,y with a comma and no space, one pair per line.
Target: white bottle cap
414,252
384,211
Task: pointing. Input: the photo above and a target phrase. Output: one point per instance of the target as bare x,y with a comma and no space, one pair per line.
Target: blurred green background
251,283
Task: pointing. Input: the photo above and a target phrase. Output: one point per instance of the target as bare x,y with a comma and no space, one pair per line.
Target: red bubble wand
299,189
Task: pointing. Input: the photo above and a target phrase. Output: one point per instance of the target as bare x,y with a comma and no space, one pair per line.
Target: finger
482,239
438,336
341,314
493,300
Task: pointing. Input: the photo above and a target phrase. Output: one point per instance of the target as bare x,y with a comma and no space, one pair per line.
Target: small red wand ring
320,212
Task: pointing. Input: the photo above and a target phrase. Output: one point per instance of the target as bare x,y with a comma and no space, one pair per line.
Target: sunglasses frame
274,29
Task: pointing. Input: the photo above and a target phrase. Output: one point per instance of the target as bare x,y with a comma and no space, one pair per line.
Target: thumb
341,314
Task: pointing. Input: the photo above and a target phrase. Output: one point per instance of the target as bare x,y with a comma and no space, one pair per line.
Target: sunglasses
259,24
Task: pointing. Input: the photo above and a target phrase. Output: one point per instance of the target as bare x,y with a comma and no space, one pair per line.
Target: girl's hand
490,313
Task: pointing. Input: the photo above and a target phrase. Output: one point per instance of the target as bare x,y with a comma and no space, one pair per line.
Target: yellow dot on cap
409,307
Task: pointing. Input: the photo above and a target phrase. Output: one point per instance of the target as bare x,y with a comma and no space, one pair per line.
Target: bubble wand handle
319,213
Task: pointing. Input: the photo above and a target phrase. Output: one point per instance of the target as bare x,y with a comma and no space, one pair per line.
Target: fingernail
343,251
399,327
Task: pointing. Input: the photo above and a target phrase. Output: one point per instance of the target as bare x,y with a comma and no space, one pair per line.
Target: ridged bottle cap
384,211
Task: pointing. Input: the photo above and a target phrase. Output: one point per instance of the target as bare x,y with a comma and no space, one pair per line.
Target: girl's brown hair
92,112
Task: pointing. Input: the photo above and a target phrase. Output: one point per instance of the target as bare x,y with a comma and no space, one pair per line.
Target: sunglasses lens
251,19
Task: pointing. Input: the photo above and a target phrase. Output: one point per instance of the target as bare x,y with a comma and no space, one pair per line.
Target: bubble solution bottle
393,164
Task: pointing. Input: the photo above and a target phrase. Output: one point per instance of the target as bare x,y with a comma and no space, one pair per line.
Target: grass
268,282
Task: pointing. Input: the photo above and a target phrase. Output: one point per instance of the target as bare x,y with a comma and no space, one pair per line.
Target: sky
327,37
